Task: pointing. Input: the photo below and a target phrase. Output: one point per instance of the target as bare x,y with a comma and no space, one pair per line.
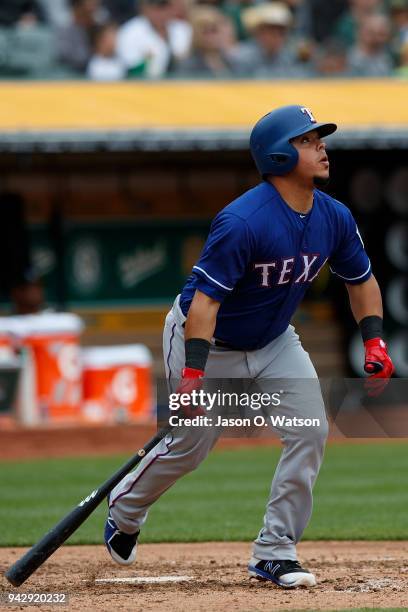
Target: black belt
223,344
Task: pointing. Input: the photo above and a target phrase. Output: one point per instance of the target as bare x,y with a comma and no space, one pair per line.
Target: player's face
313,164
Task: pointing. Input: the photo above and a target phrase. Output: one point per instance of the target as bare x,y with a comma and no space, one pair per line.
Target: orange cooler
51,341
117,384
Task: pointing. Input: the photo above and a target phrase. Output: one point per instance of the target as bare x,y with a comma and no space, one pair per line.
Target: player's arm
365,299
351,263
202,316
198,331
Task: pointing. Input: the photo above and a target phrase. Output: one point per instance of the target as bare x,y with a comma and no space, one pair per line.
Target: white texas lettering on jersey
286,268
265,272
286,271
307,265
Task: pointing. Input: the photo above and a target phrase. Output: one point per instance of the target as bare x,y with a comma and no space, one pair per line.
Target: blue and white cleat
121,546
286,574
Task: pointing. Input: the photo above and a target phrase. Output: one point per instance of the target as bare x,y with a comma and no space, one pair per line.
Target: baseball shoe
121,546
286,574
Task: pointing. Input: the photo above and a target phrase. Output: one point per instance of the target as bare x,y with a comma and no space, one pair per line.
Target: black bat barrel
44,548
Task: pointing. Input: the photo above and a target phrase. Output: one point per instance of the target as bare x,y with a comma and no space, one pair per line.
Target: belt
223,344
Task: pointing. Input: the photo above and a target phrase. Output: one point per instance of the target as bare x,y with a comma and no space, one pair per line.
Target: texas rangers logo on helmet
308,112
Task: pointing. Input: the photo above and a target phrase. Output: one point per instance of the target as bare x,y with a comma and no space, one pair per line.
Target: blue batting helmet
270,138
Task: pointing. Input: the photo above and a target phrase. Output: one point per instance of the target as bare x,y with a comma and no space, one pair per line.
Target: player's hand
191,380
379,365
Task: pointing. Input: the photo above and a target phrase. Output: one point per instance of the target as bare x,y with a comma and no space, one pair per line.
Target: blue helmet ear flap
281,160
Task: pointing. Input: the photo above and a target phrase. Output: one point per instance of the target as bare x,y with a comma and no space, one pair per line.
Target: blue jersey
261,256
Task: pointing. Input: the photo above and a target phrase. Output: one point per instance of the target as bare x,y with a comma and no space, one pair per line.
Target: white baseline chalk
144,579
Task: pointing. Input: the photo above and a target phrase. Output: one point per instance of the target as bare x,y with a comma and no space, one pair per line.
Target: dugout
120,183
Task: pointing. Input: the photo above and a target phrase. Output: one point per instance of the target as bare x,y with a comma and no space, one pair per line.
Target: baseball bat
44,548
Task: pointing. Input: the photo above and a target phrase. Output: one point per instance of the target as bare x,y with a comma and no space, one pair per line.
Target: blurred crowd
108,40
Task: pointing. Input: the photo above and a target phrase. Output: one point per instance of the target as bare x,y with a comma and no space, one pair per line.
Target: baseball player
232,320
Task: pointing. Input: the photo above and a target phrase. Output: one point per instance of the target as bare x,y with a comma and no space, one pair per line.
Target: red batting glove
379,365
191,380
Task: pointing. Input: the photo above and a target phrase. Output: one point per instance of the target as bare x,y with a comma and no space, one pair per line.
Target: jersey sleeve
350,261
225,257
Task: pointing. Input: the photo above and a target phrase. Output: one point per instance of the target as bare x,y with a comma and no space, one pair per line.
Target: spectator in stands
73,41
56,12
370,56
13,12
105,64
151,44
349,23
27,45
331,60
399,20
211,43
269,54
33,51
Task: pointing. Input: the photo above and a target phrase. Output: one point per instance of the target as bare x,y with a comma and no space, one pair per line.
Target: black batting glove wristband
371,327
197,350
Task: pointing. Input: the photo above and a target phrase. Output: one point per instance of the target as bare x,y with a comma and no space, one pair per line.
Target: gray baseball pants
289,506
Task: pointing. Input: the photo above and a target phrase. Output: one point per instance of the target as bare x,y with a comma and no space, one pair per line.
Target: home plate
144,579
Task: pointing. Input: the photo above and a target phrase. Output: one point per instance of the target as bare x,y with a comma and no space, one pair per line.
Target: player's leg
290,502
181,451
178,453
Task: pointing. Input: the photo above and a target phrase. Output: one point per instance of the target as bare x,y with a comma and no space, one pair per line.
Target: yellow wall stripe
134,105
